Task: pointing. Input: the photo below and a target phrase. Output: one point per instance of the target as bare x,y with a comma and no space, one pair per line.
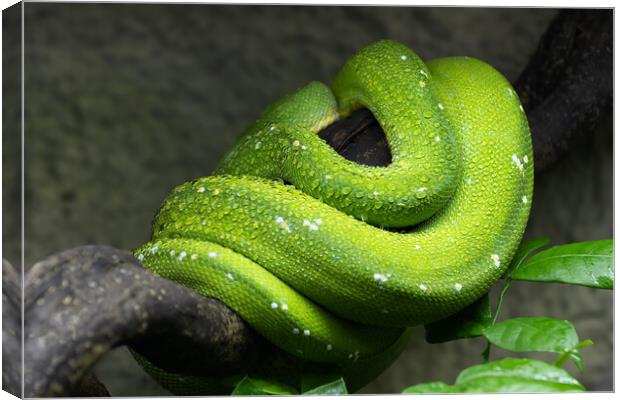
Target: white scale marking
496,260
310,225
381,278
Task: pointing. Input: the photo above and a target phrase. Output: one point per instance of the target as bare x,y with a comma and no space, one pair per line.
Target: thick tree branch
568,82
83,302
11,330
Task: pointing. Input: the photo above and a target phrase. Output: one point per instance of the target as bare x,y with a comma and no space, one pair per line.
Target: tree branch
568,82
81,303
11,330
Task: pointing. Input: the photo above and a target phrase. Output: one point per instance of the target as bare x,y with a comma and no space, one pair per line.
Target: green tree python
332,260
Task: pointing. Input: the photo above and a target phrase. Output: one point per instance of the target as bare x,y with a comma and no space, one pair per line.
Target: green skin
310,265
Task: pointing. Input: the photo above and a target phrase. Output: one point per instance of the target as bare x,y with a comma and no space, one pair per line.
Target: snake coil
311,265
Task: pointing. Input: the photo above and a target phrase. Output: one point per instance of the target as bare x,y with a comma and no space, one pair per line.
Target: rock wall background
124,102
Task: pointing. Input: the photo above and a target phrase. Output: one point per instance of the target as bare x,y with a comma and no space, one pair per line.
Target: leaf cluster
585,263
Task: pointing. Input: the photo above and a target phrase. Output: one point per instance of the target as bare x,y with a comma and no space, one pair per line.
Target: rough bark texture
568,82
82,302
121,108
11,330
359,138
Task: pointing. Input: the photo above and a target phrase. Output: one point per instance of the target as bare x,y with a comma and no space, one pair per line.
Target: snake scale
332,260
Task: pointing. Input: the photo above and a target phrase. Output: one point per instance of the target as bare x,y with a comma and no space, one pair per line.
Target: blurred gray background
124,102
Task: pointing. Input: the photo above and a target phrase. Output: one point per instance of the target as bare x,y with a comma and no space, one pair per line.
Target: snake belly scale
312,265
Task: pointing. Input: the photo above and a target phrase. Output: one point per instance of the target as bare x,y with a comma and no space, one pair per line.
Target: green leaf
533,334
574,355
506,376
584,343
252,386
431,387
335,387
525,249
584,263
467,323
577,359
516,375
318,374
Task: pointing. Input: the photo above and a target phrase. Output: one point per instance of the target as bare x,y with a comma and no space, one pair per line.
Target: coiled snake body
311,265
